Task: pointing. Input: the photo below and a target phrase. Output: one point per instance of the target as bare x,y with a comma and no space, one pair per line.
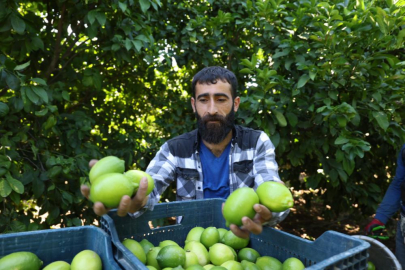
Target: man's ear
236,103
193,104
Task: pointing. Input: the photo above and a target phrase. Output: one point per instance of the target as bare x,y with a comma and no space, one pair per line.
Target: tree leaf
40,92
31,95
145,4
5,188
341,140
123,6
280,118
12,81
303,80
37,43
246,71
66,95
292,118
138,45
101,18
17,23
15,185
91,16
382,119
22,66
39,81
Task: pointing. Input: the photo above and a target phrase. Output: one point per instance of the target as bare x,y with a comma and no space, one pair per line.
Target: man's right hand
374,228
127,204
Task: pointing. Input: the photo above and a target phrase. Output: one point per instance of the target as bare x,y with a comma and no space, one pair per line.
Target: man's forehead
213,88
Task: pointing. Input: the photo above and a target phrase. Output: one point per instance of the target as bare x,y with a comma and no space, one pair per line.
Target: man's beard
215,132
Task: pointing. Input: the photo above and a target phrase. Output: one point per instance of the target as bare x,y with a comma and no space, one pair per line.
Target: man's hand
127,204
254,225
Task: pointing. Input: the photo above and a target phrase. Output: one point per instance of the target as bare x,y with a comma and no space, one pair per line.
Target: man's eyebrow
215,95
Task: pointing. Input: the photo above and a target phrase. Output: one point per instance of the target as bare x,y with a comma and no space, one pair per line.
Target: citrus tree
86,79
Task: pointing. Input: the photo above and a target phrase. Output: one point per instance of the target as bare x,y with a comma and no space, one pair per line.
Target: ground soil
309,224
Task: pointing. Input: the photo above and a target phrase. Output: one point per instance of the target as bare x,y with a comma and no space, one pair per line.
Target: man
213,160
394,200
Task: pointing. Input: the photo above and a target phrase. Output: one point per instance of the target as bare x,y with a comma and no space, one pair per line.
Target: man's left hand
254,225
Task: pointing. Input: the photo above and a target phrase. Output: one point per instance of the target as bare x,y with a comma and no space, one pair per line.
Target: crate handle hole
163,222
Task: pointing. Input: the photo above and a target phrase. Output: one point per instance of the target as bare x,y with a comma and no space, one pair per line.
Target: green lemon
248,254
275,196
217,267
230,239
136,177
136,248
370,266
247,265
293,263
220,253
222,232
268,263
151,257
194,234
191,259
146,245
200,250
195,267
58,265
20,260
171,256
150,267
240,204
86,259
109,189
209,236
232,265
208,266
167,243
109,164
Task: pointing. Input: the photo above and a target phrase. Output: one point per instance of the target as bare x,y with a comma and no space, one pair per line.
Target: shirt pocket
243,172
186,179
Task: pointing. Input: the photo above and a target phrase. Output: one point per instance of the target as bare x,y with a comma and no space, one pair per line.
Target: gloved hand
375,229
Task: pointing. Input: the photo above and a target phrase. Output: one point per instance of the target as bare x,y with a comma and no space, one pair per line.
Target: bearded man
212,161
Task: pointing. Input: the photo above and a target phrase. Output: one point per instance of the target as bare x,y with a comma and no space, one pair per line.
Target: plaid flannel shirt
251,162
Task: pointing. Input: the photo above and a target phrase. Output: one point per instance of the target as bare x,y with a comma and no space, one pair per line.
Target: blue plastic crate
332,250
61,244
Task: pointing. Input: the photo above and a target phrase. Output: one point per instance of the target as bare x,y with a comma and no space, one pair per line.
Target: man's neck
217,149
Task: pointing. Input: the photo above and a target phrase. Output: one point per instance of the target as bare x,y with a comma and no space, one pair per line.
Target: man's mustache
209,117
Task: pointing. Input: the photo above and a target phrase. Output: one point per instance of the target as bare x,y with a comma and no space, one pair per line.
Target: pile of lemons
85,259
207,248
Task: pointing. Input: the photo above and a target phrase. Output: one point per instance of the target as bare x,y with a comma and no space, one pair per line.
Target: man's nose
212,109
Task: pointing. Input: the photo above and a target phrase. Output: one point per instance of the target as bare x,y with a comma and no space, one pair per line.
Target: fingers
239,232
85,190
92,162
99,209
140,198
263,213
124,206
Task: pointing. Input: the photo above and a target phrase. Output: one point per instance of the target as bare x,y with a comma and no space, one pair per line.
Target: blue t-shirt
216,172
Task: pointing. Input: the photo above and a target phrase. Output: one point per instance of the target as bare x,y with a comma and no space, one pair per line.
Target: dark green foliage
86,79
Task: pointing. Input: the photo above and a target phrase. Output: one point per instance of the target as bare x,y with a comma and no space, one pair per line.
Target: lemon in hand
240,204
275,196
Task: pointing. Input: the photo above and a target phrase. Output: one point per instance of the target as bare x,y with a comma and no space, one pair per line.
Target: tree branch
56,52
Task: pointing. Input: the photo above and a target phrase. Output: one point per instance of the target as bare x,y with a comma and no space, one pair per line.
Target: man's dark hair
210,75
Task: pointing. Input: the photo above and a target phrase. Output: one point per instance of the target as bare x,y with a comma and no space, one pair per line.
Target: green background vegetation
86,79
